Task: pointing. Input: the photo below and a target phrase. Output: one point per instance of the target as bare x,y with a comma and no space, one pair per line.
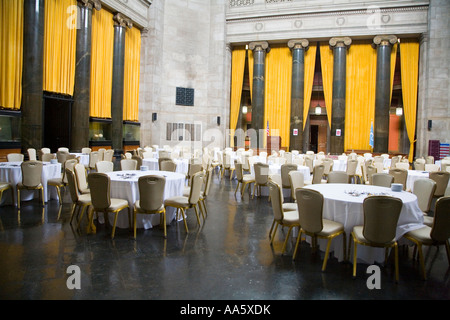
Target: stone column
259,58
337,134
81,92
298,48
120,25
33,74
382,92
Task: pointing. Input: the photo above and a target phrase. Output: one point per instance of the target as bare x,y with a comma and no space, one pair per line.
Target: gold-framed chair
32,154
242,179
381,215
436,235
297,180
424,189
338,177
104,166
81,176
15,157
261,171
31,179
285,169
169,165
312,223
400,176
382,179
4,186
79,201
317,175
128,164
205,192
352,165
226,164
100,190
47,157
61,183
441,179
151,199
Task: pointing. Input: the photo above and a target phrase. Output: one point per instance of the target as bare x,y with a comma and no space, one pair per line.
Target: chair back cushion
80,174
440,230
297,181
318,173
196,187
151,192
338,177
400,176
169,165
441,179
276,198
31,173
380,218
69,164
261,173
310,205
100,185
239,170
72,182
382,179
424,190
128,164
104,166
285,169
208,182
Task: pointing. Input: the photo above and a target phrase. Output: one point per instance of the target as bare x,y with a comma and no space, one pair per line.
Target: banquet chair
226,164
151,199
81,176
183,203
104,166
4,186
15,157
424,189
31,179
60,183
169,165
204,193
126,155
100,187
94,157
394,161
128,164
86,150
338,177
138,159
31,154
447,192
429,160
309,163
161,160
312,223
441,179
317,175
108,155
79,201
242,179
101,154
280,217
43,151
62,156
379,166
382,179
328,166
297,180
149,155
419,165
288,157
193,168
261,177
285,169
63,149
445,164
432,167
47,157
351,170
435,235
400,176
381,215
163,154
378,159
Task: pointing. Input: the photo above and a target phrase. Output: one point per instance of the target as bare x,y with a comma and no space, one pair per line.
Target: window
185,97
183,132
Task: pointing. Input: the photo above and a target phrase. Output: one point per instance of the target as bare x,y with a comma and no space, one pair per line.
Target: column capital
259,46
122,21
385,40
298,44
91,4
340,42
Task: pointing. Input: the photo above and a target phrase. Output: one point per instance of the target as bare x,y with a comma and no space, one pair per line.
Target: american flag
267,130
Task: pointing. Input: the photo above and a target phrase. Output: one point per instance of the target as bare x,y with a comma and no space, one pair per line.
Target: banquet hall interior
224,150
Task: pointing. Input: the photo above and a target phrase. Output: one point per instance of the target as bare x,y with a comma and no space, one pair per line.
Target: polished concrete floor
228,258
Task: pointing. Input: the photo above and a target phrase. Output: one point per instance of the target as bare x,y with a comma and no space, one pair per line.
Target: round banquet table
339,205
182,164
124,185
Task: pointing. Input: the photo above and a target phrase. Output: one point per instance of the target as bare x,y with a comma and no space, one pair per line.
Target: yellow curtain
11,58
360,95
237,80
409,65
132,74
60,46
277,109
101,63
310,64
250,71
327,62
393,62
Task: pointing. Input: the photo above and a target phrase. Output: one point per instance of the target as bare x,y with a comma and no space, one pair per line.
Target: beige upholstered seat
193,168
261,177
182,203
351,169
31,179
419,165
86,150
436,235
280,217
15,157
4,186
381,215
382,179
285,169
168,165
163,154
297,180
108,155
31,154
79,201
441,179
424,190
104,166
151,199
81,176
317,175
242,179
226,164
328,166
93,159
429,159
400,176
62,182
309,162
370,171
310,210
161,160
43,151
100,187
63,149
127,155
128,164
338,177
62,156
47,157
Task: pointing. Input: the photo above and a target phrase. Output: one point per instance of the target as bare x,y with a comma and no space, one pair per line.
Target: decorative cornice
122,21
340,42
385,40
298,44
259,46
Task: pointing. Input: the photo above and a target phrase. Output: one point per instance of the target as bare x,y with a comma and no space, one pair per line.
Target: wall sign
338,132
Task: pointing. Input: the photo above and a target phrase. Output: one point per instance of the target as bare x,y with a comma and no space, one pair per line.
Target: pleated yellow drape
393,62
11,57
310,64
327,63
360,95
409,65
277,109
101,63
250,71
132,74
60,46
237,81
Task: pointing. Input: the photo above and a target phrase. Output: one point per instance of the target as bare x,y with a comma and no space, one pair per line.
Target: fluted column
120,25
259,58
32,74
298,48
383,45
81,93
337,135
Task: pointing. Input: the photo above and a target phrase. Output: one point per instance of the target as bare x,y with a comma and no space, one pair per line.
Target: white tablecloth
348,210
11,172
84,158
413,175
127,188
182,164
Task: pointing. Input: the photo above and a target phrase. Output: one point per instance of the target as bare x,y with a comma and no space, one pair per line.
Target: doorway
57,122
318,133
